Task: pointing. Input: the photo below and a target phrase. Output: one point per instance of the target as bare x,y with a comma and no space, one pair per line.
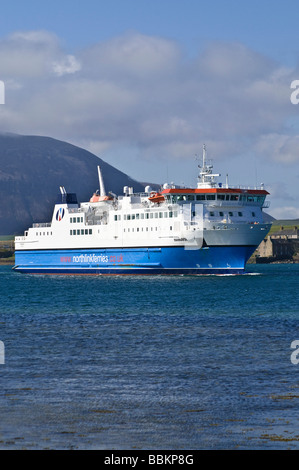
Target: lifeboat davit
156,197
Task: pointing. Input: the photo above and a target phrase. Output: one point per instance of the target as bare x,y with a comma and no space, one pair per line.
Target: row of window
213,197
40,234
145,229
147,215
77,220
230,214
82,231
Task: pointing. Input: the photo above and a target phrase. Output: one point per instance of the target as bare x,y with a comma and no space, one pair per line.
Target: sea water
153,362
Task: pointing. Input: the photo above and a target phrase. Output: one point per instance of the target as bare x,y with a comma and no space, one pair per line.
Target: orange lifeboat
156,197
96,198
100,194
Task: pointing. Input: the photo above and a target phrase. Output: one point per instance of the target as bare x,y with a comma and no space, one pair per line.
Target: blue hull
164,260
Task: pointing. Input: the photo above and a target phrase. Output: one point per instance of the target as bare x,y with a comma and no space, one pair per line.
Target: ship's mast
204,155
206,179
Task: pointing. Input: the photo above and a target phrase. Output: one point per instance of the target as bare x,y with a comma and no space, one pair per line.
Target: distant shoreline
4,262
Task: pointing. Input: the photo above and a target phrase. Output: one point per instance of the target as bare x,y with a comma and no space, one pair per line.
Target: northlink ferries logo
60,214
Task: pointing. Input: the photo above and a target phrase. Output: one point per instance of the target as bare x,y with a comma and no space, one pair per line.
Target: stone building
286,234
281,245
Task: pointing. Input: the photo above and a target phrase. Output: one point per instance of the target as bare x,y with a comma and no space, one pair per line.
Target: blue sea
156,363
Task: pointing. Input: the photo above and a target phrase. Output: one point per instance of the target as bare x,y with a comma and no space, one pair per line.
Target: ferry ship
210,229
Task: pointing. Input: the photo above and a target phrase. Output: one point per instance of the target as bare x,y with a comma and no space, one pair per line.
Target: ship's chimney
101,182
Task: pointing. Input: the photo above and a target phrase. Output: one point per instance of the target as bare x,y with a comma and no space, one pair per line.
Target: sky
144,84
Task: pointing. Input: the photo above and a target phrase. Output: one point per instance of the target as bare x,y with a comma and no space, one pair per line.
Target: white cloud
40,37
232,62
285,212
280,190
133,56
281,148
69,64
142,92
27,54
